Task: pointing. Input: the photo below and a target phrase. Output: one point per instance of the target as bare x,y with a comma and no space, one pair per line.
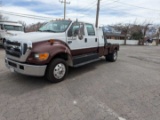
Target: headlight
41,56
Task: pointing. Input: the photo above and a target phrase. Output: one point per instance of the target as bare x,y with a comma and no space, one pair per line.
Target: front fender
53,49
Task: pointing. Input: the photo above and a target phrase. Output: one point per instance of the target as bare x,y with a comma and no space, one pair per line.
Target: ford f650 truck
56,46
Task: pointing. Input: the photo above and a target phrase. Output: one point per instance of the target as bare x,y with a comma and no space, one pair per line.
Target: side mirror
24,28
80,36
76,32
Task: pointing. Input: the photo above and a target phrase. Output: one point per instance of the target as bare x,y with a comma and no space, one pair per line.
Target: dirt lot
128,89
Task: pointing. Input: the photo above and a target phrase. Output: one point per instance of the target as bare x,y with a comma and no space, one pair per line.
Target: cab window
75,29
12,27
90,30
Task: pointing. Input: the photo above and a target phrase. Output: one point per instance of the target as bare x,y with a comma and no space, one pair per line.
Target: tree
23,24
139,31
136,32
145,27
137,35
158,35
33,27
124,30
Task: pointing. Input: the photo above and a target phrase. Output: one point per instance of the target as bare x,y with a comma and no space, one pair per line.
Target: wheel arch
63,55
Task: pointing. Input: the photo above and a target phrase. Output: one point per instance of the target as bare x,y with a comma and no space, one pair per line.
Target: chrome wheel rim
115,55
59,71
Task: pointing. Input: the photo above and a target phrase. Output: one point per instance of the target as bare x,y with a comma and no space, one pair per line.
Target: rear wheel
57,70
112,57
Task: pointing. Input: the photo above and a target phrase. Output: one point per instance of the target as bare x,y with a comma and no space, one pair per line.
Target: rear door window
90,30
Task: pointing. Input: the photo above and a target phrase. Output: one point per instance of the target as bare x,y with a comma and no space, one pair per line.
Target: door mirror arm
80,36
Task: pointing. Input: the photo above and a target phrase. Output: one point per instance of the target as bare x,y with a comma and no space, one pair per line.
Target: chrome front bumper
31,70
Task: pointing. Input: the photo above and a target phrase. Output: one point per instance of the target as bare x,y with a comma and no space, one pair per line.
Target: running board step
85,59
81,64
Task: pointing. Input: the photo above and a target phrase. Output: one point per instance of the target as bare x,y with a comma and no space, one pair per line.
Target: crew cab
56,46
9,28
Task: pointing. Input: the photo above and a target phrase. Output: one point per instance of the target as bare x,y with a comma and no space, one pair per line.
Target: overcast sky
111,11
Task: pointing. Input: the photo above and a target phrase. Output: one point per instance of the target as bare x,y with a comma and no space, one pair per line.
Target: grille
13,48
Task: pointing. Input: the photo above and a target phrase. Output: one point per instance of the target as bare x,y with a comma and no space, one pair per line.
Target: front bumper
31,70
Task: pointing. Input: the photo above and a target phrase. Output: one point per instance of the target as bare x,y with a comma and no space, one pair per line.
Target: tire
112,57
56,70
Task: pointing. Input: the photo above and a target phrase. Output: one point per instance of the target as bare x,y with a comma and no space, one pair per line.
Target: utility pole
65,2
97,14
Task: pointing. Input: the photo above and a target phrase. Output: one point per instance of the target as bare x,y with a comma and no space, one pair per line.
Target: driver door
76,39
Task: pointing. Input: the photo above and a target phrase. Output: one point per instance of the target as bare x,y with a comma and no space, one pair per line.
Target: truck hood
37,37
15,32
6,34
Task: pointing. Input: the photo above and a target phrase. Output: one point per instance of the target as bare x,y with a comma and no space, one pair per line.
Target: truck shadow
16,84
73,72
1,47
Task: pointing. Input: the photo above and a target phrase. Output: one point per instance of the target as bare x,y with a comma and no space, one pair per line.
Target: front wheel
57,70
112,57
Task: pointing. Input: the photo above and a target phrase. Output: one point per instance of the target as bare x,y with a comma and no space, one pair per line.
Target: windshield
14,28
55,26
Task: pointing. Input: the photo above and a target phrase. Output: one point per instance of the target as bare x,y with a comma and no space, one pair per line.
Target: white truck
56,46
8,28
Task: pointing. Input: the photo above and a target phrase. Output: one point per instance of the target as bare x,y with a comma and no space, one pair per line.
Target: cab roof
10,23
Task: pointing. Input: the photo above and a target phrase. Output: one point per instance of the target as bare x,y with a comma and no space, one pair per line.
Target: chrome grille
13,48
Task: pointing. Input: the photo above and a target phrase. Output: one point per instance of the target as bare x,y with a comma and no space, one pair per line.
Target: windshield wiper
40,31
46,31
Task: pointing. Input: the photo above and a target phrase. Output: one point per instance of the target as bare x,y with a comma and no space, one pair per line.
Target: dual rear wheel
112,57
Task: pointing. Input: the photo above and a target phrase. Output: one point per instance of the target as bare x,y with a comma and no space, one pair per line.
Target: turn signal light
42,56
51,41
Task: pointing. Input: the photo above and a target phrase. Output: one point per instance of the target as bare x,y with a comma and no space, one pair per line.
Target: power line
138,6
89,9
85,8
132,14
128,12
104,2
87,12
25,15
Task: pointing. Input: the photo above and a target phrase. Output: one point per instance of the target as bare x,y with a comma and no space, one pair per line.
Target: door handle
69,42
85,39
95,39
